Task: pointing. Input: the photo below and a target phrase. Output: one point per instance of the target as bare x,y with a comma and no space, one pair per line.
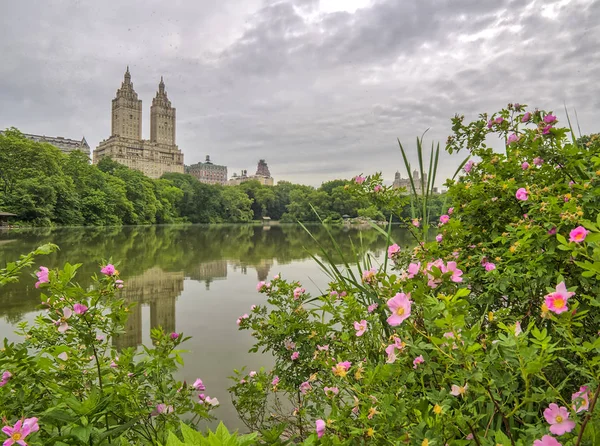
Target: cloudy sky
321,89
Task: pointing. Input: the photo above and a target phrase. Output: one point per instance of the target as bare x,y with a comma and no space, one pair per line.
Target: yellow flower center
425,442
400,311
437,409
16,436
559,303
370,432
559,419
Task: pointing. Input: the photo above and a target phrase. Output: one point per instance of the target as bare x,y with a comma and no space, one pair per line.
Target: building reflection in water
160,289
157,288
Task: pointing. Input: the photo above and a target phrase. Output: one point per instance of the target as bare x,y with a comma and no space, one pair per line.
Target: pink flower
252,307
377,188
438,238
552,231
212,401
320,425
518,329
162,408
558,418
331,391
42,276
252,374
368,276
547,440
581,399
513,137
6,376
360,327
418,360
489,266
522,194
299,291
114,365
359,179
458,390
63,356
333,293
468,166
525,165
199,385
546,130
241,318
323,348
557,301
341,368
295,356
578,234
62,322
444,219
415,222
490,123
109,269
289,345
413,269
549,119
20,431
275,381
456,273
174,336
399,305
119,283
450,211
499,120
372,307
526,117
305,387
260,285
393,249
538,161
80,309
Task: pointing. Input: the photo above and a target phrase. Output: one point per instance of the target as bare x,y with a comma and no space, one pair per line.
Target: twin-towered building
125,145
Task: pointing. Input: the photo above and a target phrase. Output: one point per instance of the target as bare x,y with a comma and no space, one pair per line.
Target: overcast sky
321,89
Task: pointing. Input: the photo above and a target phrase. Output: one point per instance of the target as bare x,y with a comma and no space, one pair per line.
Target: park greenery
485,335
44,187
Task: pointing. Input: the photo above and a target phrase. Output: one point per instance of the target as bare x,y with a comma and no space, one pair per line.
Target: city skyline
320,89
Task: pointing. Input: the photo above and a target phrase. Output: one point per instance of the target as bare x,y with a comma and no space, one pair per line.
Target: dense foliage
44,187
488,335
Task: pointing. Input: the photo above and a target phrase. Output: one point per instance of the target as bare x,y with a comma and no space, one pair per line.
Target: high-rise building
208,172
262,175
153,157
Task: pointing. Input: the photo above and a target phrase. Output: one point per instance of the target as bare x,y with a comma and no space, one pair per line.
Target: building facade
405,182
207,172
65,145
153,157
262,175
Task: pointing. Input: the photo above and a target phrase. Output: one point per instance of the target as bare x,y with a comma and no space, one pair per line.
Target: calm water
191,279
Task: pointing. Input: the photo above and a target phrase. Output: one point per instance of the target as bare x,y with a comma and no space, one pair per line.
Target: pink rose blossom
323,348
418,360
20,431
399,305
199,385
468,166
119,283
359,179
456,273
368,276
109,269
372,307
525,165
289,345
331,391
490,123
552,231
42,276
341,368
252,374
581,399
557,301
305,387
360,327
377,188
450,211
522,194
275,381
578,234
458,390
6,376
444,219
295,356
513,137
438,238
415,222
547,440
62,322
538,161
549,119
320,426
393,249
80,309
558,418
489,266
162,408
546,130
260,286
299,291
499,120
413,269
526,117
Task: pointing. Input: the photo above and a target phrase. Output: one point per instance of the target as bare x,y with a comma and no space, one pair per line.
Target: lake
193,279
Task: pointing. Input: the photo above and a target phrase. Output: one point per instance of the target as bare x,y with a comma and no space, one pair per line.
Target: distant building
208,172
153,157
65,145
405,182
262,175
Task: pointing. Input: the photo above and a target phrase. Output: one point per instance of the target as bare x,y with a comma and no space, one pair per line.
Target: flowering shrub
65,383
488,335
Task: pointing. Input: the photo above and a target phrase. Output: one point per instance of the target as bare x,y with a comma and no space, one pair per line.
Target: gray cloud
318,95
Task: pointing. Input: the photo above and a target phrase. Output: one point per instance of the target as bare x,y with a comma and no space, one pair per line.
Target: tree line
45,187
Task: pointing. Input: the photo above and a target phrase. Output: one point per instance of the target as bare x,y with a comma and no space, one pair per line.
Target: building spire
127,76
161,86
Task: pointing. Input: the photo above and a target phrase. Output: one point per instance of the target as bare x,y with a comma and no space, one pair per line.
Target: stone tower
127,111
162,118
